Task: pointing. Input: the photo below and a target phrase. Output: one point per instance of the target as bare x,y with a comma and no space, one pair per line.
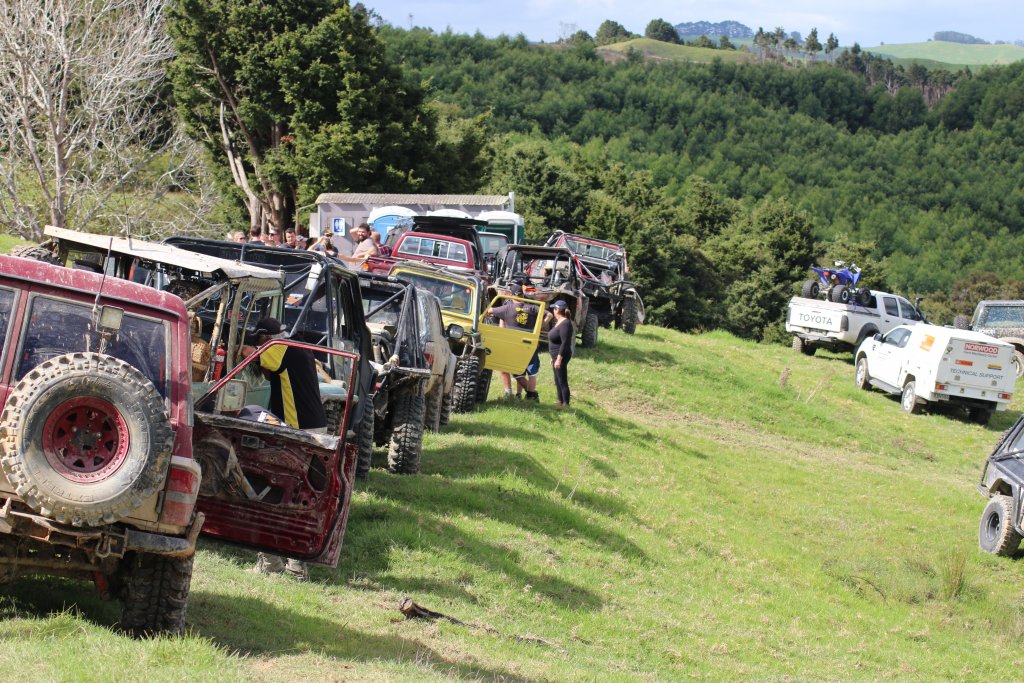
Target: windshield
492,244
454,297
1001,316
591,250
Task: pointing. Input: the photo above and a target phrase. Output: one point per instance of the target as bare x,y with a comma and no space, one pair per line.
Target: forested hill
937,191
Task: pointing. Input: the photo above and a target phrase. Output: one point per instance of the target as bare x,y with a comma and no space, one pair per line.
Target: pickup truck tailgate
816,319
978,369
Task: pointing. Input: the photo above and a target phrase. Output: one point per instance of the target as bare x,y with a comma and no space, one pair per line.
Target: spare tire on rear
85,439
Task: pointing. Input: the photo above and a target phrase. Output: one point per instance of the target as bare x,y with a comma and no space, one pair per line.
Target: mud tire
483,386
432,409
366,434
155,594
996,534
446,408
406,444
803,347
810,289
962,322
467,379
102,480
839,294
590,329
630,315
863,296
36,252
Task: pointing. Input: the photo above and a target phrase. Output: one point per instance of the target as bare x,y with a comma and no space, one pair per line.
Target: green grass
7,242
709,509
952,54
656,49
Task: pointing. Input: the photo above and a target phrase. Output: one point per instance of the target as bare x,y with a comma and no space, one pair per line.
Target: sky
868,22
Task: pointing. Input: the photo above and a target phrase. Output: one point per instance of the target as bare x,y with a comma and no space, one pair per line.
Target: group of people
366,241
561,342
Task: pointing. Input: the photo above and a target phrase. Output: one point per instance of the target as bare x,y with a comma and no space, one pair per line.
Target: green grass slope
656,49
952,54
709,508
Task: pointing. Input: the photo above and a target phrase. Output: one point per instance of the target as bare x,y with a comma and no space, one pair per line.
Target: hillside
658,50
701,512
952,54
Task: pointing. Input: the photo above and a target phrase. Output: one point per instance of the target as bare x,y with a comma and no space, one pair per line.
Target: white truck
835,326
932,364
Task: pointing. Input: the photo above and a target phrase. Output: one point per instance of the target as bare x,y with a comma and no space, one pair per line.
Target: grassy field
709,509
656,49
952,54
7,242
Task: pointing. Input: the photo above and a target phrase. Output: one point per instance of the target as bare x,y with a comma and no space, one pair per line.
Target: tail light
182,489
940,387
844,323
429,357
1006,397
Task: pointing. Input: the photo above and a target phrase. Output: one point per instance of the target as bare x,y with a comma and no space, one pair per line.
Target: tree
831,45
812,45
295,98
82,118
611,32
659,29
725,44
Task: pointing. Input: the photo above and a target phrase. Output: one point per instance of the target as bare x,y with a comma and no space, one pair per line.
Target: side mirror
877,337
231,397
455,332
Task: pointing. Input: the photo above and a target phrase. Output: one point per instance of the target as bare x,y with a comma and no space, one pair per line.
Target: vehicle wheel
432,411
467,377
366,434
996,534
446,407
407,435
962,322
483,385
803,347
85,439
840,294
861,378
155,594
629,315
979,416
864,296
36,252
810,289
1018,363
909,399
590,327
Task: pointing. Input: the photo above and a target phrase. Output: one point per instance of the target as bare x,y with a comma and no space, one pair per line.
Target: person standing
517,314
290,238
561,338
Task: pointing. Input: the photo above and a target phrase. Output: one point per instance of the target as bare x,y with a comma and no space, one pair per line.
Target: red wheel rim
85,439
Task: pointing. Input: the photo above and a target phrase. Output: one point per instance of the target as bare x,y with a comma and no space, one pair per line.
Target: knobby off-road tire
810,289
863,296
407,436
962,322
85,439
155,595
483,386
36,252
366,434
803,347
839,294
861,377
590,328
630,315
908,399
467,377
996,534
446,407
432,409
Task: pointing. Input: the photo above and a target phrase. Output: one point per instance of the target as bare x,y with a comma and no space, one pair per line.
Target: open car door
511,347
266,485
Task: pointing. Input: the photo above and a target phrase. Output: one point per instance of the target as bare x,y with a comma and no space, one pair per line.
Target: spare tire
85,439
37,252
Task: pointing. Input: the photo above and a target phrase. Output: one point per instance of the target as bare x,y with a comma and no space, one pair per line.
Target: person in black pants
560,342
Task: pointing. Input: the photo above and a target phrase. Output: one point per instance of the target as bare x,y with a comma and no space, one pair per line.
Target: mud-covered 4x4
98,480
1002,320
1002,482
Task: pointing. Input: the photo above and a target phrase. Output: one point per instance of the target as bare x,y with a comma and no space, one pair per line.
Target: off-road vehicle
98,478
1002,320
547,274
1002,482
415,367
483,347
445,241
613,297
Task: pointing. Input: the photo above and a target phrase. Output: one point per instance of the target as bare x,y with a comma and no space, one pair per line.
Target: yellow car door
511,346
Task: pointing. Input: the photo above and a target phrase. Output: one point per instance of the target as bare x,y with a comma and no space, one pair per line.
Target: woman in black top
560,341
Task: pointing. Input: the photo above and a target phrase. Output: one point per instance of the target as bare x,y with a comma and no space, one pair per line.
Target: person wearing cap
522,315
294,387
561,338
273,237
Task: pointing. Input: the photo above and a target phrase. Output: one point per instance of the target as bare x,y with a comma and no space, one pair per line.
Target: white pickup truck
928,363
836,326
